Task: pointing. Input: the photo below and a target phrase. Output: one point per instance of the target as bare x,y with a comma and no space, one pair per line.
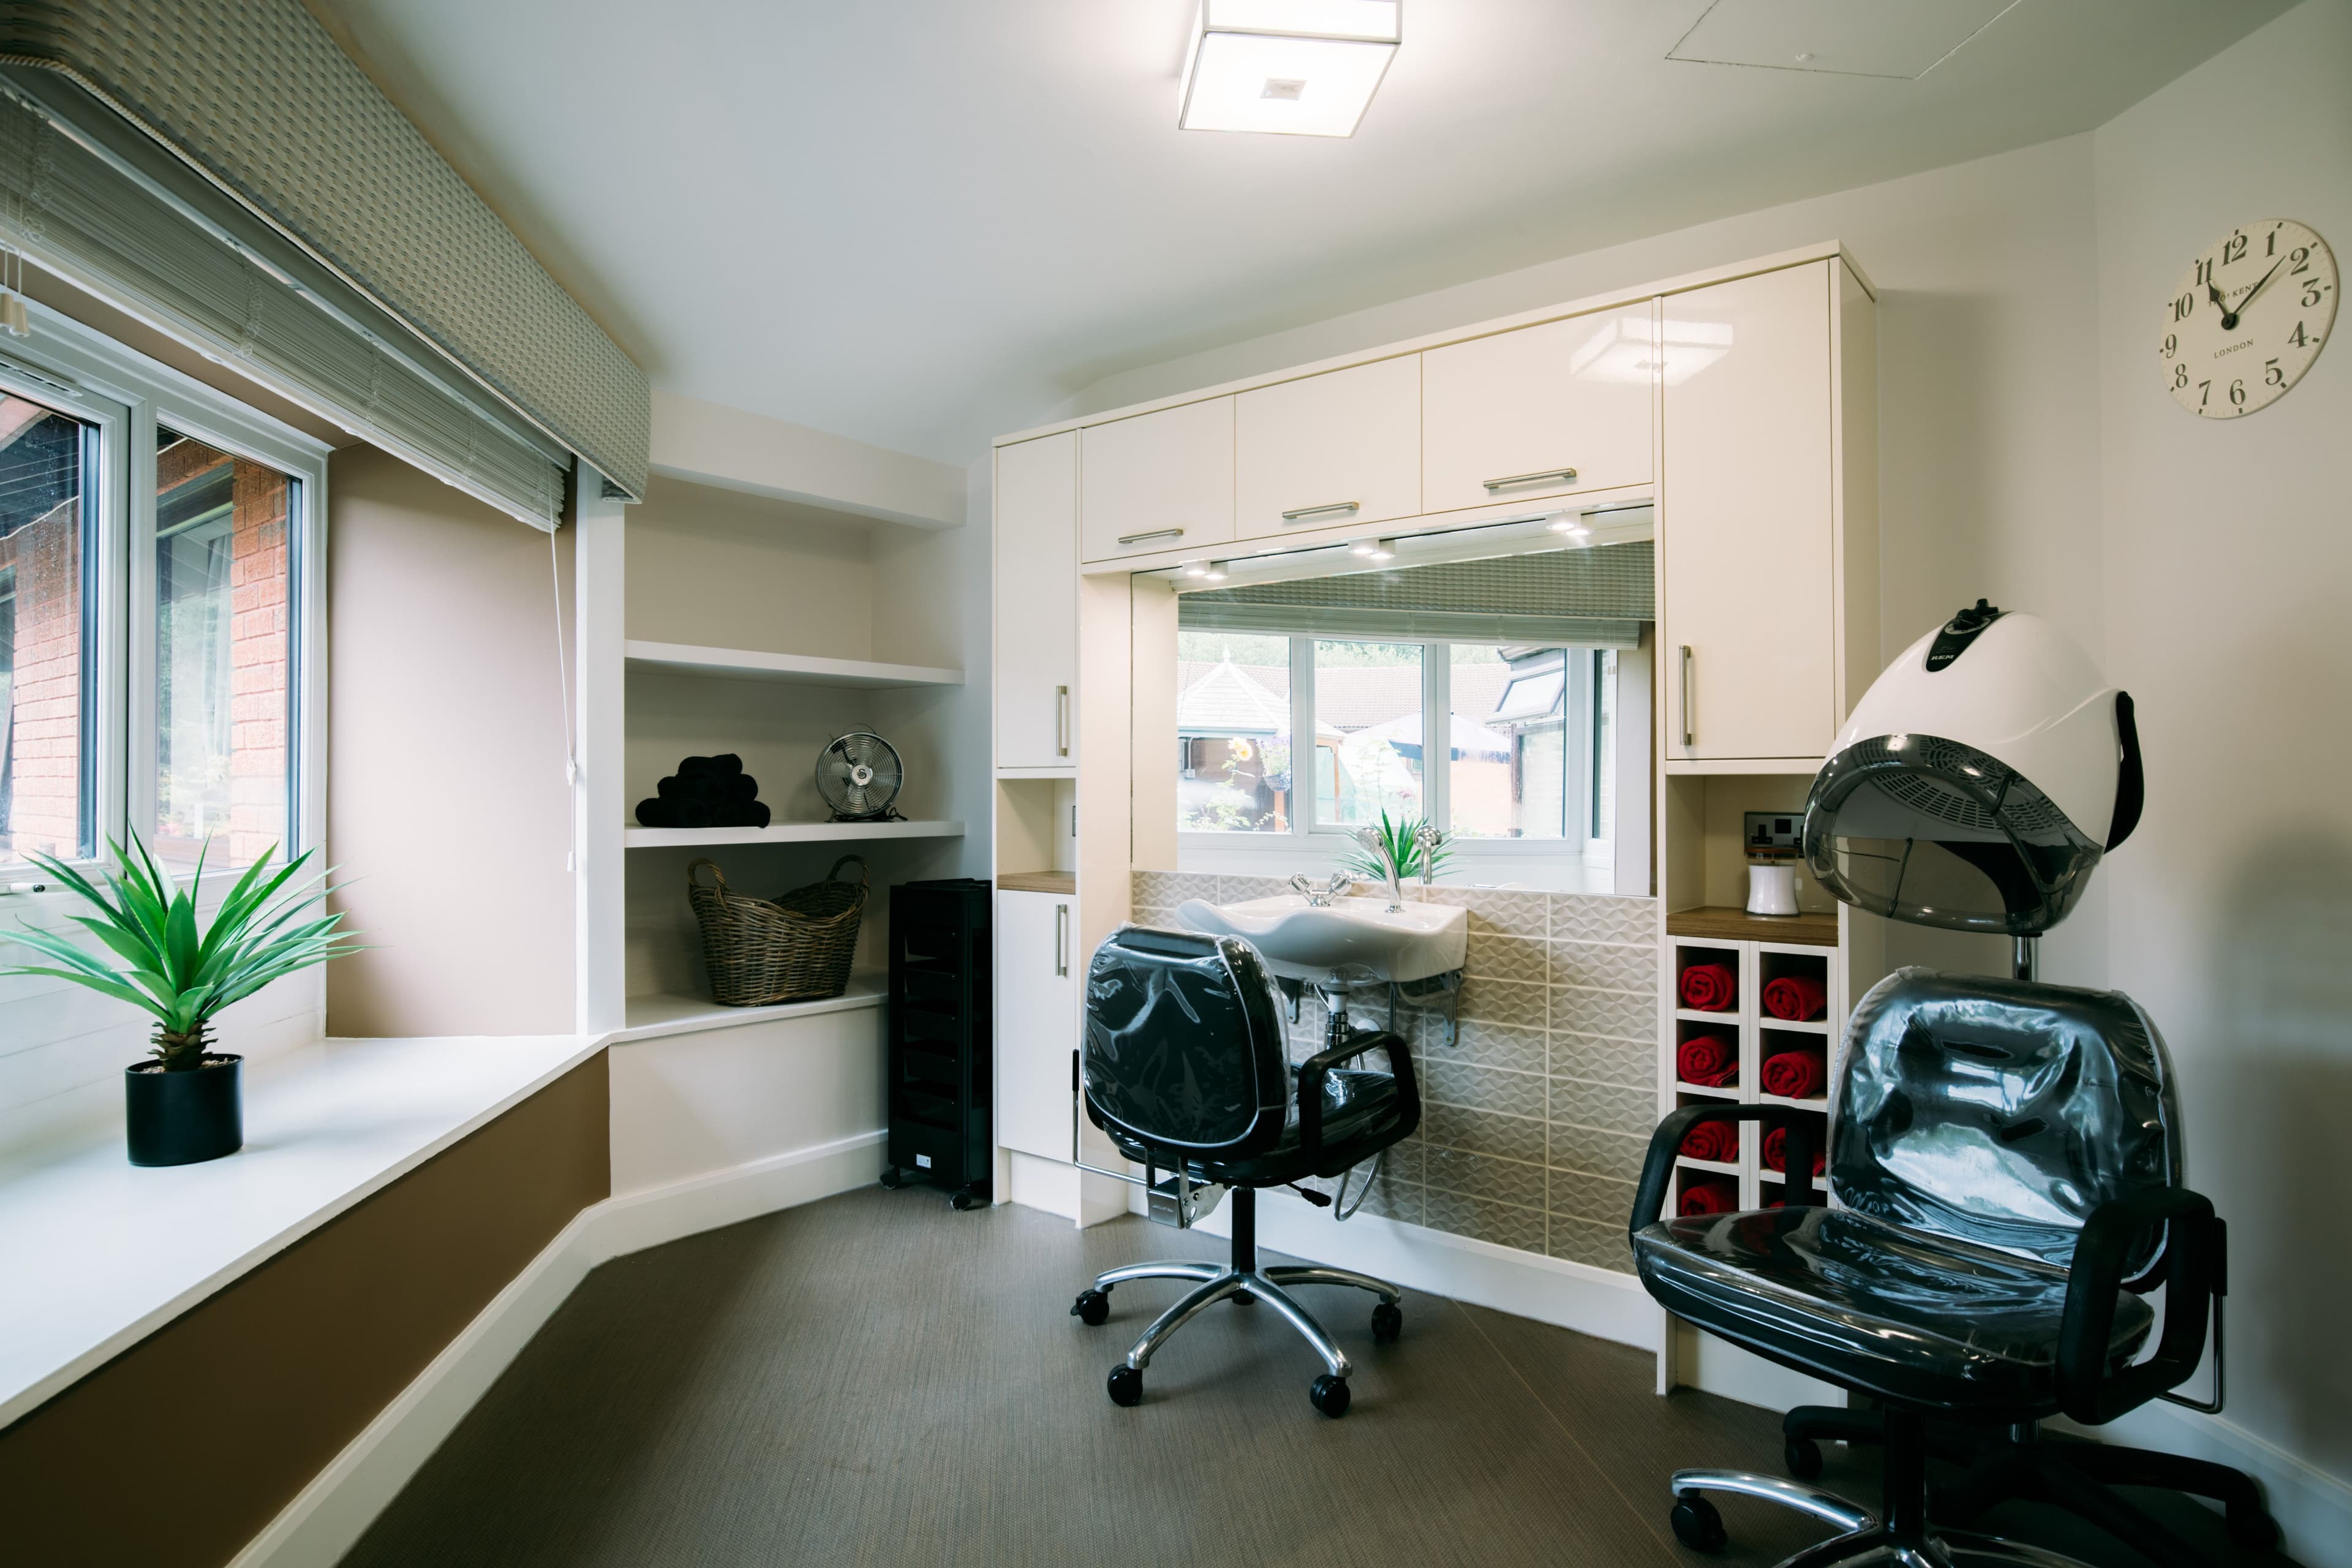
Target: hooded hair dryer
1978,780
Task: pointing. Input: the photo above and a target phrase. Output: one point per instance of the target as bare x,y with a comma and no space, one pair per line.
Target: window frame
75,368
1322,843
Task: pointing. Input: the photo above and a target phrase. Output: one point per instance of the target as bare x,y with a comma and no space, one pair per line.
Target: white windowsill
100,1253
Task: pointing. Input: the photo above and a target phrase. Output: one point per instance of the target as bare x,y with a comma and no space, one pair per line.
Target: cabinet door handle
1690,730
1564,475
1298,513
1152,533
1061,720
1061,938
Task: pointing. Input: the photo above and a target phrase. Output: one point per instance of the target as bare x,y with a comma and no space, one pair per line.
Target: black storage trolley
942,1068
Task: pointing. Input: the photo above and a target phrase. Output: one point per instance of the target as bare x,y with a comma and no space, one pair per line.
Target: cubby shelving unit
787,833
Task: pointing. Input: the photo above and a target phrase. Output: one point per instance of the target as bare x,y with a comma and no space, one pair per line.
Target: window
153,568
223,594
1528,764
46,628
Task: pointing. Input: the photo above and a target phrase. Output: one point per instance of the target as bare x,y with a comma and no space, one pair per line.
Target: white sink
1306,942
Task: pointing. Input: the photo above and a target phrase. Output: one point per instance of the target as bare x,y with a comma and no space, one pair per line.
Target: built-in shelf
1063,882
803,670
1821,1104
1724,1091
787,833
650,1016
1701,1015
1719,1167
1726,924
1794,1025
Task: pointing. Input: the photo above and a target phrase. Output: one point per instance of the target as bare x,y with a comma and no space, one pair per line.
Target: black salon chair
2005,1181
1186,1068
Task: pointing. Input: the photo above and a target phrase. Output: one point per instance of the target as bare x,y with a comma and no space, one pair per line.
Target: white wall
2227,550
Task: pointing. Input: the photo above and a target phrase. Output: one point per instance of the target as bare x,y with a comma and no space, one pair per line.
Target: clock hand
2229,316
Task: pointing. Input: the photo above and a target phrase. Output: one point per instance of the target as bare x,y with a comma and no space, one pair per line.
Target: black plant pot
182,1118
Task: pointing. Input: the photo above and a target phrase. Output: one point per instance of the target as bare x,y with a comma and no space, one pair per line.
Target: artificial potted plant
1409,844
186,1104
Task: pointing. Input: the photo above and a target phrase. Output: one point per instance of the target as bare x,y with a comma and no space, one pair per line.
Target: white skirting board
328,1517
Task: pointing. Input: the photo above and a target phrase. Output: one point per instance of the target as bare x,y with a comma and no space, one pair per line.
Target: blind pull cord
563,684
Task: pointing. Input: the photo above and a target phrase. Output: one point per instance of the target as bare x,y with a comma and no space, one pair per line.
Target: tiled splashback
1533,1125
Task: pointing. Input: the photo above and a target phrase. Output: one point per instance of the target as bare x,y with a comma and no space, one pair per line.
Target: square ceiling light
1290,67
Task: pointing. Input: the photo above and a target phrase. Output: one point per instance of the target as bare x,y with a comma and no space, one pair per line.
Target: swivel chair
1186,1068
2008,1158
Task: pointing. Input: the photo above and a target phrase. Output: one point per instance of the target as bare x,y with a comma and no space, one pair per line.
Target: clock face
2248,319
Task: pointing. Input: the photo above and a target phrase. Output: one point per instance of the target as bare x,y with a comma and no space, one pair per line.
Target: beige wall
446,803
2227,548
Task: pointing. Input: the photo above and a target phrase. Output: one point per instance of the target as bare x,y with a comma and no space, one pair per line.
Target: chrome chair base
1215,1283
1864,1538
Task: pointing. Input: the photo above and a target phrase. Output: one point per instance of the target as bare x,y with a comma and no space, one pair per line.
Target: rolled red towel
1795,1075
1706,1060
1709,988
1800,998
1712,1140
1776,1151
1709,1195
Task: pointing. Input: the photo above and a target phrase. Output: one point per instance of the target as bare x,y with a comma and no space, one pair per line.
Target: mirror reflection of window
46,620
1368,705
1233,733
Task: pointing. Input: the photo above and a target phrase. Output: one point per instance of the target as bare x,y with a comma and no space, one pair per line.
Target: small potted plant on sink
1397,850
186,1103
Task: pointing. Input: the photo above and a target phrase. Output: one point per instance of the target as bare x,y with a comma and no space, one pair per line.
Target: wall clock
2248,319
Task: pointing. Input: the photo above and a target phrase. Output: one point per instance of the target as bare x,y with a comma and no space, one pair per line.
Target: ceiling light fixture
1289,67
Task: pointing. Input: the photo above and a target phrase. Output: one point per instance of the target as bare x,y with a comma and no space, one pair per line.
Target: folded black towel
706,792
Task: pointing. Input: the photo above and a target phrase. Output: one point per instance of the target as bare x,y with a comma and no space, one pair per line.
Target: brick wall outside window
45,737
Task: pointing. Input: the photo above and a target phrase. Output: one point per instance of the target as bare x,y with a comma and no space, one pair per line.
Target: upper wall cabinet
1748,519
1343,447
1037,602
1543,411
1158,481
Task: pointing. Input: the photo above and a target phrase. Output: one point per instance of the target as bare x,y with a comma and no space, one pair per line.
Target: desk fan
859,775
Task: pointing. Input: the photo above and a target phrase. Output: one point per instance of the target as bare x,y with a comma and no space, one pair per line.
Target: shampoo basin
1308,942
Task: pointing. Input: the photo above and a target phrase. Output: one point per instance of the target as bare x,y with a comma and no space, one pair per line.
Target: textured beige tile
1485,1176
1514,958
1604,1153
1599,966
1501,1002
1165,918
1494,1045
1236,889
1156,889
1612,1107
1590,917
1606,1060
1622,1014
1403,1162
1600,1200
1483,1132
1599,1245
1505,1224
1474,1088
1508,914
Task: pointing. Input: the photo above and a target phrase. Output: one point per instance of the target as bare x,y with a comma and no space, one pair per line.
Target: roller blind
1587,598
222,169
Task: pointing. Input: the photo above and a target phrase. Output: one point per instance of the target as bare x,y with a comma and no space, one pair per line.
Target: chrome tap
1377,847
1321,898
1427,838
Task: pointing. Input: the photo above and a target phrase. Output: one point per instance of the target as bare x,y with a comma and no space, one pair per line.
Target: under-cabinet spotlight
1196,569
1216,571
1291,68
1365,547
1382,550
1570,523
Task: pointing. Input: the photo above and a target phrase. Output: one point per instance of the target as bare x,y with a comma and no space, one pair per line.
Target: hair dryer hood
1978,780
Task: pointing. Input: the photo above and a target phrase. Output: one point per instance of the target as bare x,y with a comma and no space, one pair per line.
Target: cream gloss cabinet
1162,480
1550,410
1037,981
1769,584
1036,579
1324,450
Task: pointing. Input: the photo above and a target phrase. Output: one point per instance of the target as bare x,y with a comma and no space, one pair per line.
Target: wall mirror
1492,680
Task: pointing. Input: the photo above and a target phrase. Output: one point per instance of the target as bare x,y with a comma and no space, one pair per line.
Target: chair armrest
1658,1164
1310,1084
2193,1272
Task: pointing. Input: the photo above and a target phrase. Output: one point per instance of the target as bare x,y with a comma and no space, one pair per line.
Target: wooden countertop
1063,882
1728,924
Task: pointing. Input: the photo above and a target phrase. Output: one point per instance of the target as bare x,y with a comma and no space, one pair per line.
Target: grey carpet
878,1380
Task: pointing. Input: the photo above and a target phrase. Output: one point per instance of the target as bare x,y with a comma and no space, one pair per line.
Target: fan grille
859,775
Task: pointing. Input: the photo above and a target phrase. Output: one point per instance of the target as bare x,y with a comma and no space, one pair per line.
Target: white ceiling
920,223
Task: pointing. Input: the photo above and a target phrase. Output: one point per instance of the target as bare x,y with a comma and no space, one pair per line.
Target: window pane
45,633
1233,733
222,629
1368,750
1512,776
1604,743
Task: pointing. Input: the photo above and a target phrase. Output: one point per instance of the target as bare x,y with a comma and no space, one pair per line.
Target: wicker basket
796,948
